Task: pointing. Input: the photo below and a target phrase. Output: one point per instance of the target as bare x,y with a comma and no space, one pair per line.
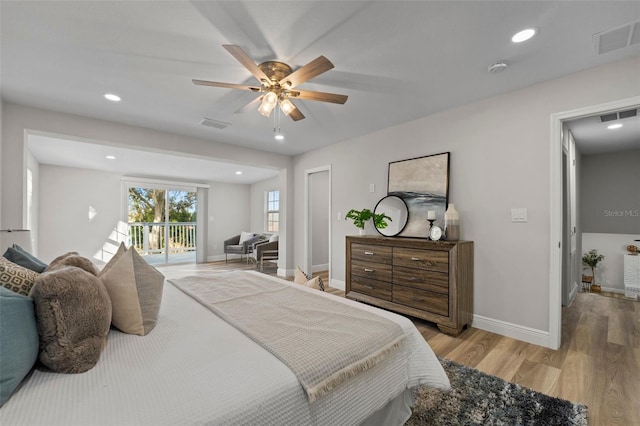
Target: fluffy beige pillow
72,259
16,278
305,280
135,288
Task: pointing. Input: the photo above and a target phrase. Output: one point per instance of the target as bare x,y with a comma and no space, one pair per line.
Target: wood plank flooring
598,363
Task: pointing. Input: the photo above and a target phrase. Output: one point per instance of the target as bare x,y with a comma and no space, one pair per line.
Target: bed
195,368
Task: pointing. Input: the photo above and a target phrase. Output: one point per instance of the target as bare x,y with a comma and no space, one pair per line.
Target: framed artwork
423,184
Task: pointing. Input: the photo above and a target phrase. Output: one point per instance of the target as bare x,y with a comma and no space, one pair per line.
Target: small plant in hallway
591,260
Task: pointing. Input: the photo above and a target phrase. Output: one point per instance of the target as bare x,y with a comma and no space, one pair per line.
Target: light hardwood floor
598,363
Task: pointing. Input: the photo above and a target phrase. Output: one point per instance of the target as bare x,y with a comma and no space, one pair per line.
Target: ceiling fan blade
242,57
310,95
296,115
307,72
227,85
253,105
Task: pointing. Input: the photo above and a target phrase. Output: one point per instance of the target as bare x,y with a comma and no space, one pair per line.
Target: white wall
229,215
66,197
500,158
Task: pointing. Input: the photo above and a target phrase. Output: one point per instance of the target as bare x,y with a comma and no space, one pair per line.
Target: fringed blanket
322,342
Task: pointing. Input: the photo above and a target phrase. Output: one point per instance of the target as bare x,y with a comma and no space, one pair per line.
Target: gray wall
610,192
500,158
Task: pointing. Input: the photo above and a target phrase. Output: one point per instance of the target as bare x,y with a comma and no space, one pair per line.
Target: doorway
558,222
162,223
317,221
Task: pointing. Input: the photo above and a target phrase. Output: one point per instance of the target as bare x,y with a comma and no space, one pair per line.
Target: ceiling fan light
265,108
271,98
287,106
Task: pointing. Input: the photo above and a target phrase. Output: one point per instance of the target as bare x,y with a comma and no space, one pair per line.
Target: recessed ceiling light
110,157
112,97
239,172
279,136
614,126
523,35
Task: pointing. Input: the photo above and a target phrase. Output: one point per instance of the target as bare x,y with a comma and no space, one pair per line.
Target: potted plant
591,259
360,218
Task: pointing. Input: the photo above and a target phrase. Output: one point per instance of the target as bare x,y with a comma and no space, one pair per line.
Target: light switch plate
519,214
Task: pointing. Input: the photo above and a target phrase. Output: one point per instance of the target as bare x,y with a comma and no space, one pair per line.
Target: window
273,211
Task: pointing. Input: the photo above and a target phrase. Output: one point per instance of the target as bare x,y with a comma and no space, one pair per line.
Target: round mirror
397,210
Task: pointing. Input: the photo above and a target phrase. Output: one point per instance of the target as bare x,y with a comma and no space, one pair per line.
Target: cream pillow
273,238
244,236
305,280
135,288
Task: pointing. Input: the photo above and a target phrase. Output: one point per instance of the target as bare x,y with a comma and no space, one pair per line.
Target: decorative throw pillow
135,288
121,250
21,257
18,340
72,259
273,238
73,315
16,278
244,236
301,278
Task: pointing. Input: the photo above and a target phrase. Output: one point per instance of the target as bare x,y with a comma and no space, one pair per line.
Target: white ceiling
396,60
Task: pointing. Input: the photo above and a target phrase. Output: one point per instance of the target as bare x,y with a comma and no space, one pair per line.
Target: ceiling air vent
627,114
618,115
609,117
617,38
214,123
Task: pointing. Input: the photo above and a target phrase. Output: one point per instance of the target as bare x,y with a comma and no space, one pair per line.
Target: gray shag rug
476,398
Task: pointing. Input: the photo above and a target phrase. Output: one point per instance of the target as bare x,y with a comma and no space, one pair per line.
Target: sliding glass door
162,223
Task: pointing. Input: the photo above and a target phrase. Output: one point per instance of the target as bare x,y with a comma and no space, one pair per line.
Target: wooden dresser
432,280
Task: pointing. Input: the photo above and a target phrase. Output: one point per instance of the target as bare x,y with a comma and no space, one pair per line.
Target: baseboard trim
612,289
515,331
319,268
340,285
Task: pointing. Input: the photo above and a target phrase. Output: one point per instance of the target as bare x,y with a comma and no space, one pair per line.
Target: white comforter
194,368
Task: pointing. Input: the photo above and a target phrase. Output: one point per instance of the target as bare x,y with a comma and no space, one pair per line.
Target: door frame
555,207
307,218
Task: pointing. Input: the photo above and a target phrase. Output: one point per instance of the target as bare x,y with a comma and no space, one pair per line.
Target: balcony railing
150,237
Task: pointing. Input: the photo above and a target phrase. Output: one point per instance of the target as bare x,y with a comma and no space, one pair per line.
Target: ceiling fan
277,82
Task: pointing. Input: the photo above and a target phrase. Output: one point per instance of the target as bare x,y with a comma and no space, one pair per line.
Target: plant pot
362,231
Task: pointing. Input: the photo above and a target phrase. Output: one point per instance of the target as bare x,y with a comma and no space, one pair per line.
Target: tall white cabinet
631,275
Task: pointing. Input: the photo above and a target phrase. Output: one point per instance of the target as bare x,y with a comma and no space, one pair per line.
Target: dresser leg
449,330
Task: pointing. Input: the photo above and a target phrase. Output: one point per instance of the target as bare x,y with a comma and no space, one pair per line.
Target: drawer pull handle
413,279
368,253
415,259
368,270
369,287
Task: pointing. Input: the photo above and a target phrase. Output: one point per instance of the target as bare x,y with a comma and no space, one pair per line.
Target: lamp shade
21,237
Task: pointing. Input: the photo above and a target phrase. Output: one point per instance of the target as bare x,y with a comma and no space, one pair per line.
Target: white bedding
194,368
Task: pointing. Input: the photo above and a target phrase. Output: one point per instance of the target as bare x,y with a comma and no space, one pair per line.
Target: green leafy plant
360,218
591,259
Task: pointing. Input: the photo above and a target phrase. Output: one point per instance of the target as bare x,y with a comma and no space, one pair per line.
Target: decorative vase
361,231
452,223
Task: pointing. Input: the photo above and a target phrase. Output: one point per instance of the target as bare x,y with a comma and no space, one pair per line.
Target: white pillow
273,238
244,236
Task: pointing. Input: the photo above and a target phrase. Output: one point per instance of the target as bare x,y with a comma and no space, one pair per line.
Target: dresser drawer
432,260
377,254
375,271
375,288
437,282
420,299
